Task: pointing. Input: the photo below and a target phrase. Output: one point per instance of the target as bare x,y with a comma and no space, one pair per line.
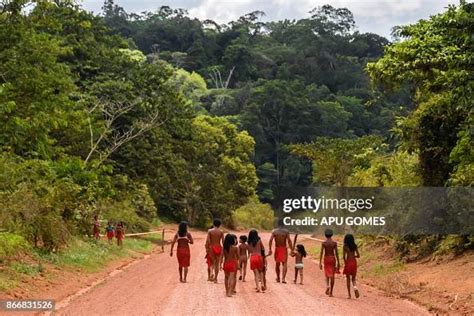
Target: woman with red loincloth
183,238
255,248
119,233
96,228
350,253
110,231
230,265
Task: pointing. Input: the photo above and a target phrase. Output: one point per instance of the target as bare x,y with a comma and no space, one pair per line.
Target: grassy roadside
84,255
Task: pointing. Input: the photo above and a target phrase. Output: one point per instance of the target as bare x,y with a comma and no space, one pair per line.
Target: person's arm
337,256
357,253
289,241
172,244
344,253
190,238
207,241
321,257
270,244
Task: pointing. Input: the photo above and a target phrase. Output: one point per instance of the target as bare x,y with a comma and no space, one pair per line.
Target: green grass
386,269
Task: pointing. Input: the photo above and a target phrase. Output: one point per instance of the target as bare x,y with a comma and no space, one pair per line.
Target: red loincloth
184,257
208,260
110,234
256,262
329,266
216,250
350,267
281,254
119,235
230,266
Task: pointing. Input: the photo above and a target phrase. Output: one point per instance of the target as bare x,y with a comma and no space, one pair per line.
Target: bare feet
327,291
278,280
294,281
356,291
301,283
283,281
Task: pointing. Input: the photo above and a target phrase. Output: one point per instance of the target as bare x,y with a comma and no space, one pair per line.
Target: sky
375,16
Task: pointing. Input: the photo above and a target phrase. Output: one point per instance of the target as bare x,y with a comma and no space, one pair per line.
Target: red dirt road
152,287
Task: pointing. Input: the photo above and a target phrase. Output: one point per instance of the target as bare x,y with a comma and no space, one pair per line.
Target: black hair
280,222
350,242
328,233
217,222
301,250
253,238
243,238
236,241
229,241
183,229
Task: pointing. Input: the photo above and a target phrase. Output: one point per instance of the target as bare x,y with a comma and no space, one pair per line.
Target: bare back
215,236
232,254
282,237
243,248
330,248
257,249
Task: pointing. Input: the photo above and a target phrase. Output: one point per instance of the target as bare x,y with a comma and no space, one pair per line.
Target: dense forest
133,116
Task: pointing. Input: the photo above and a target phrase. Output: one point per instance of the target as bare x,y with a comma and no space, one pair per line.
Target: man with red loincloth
282,242
331,260
214,241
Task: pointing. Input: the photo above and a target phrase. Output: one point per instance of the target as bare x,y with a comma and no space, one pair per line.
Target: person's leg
263,275
233,282
348,279
301,276
226,283
327,285
356,289
277,270
332,286
180,274
257,281
285,270
296,275
185,274
245,271
216,267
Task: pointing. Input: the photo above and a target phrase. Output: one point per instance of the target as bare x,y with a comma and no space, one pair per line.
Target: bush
254,215
11,245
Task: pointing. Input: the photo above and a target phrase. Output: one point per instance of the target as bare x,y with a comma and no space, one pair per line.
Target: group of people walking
111,231
231,254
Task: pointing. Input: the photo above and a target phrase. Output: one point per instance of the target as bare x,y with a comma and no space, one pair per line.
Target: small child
264,271
299,255
243,248
110,230
119,233
331,260
350,253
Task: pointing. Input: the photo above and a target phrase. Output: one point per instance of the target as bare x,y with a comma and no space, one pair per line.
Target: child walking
257,264
183,238
350,253
96,228
110,232
119,233
231,259
299,255
331,260
243,248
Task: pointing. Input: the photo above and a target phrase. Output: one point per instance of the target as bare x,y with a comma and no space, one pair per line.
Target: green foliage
11,245
254,214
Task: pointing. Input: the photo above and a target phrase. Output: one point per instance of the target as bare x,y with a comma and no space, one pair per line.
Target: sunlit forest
162,116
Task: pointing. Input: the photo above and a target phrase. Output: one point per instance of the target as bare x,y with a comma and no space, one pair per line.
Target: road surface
152,287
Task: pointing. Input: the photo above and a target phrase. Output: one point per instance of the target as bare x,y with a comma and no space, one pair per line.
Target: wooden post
163,240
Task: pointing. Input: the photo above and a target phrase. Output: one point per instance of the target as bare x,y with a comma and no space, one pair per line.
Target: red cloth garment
256,262
216,250
110,234
350,267
119,234
230,266
281,254
184,257
329,266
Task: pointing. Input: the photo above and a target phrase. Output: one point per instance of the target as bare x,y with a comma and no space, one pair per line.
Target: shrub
254,215
11,245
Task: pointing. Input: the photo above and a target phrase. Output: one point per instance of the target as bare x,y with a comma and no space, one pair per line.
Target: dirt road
151,287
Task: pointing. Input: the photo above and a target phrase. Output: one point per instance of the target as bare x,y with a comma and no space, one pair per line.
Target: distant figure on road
110,231
96,228
282,241
119,233
243,257
214,240
349,253
257,263
299,254
331,260
183,253
231,260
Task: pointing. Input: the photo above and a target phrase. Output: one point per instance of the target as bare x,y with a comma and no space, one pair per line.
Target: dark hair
229,241
253,238
183,229
280,222
236,240
217,222
96,217
349,242
243,238
328,233
301,250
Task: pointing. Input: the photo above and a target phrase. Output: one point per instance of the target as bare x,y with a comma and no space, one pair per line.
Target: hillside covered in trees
132,116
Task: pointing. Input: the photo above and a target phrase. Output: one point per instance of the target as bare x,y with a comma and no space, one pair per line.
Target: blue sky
376,16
